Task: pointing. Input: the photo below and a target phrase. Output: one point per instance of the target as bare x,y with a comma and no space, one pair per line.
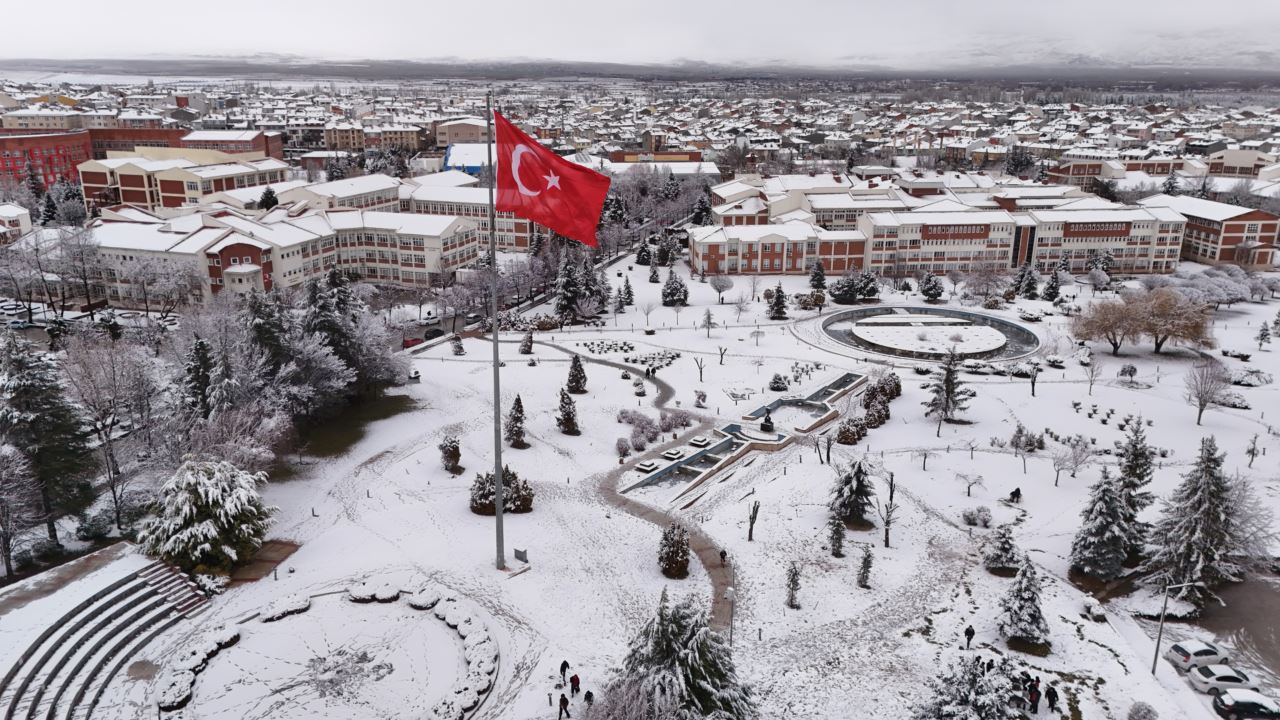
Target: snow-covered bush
481,665
482,651
778,383
210,517
286,606
517,494
173,689
457,615
1232,399
1142,711
977,517
478,681
478,634
1001,553
361,592
386,593
623,447
1248,377
673,553
426,598
450,453
447,709
211,584
465,697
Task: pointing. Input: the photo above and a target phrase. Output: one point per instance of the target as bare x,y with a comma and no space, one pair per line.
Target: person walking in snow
969,632
1016,496
574,684
1033,695
564,668
589,698
1051,697
564,708
723,555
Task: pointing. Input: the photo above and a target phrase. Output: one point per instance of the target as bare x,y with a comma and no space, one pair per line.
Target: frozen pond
927,333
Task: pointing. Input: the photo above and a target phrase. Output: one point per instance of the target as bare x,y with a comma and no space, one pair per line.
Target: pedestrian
564,668
1051,697
589,698
991,664
723,555
969,632
573,684
564,708
1034,696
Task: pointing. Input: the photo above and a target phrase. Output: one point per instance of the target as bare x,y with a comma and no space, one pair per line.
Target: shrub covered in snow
386,593
481,651
426,598
173,689
447,709
673,553
517,494
361,592
977,517
1142,711
1248,377
778,383
286,606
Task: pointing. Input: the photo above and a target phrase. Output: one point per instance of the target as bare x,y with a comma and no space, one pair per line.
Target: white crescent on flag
515,171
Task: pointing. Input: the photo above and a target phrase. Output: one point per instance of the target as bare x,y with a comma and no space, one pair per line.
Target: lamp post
731,595
1163,607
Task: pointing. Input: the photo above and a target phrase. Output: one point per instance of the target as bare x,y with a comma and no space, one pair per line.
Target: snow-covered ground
385,509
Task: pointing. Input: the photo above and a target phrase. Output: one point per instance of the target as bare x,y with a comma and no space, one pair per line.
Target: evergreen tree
793,586
455,344
1264,336
818,276
1052,287
1193,537
653,274
1137,460
40,421
577,383
644,254
593,286
627,295
526,343
517,495
450,454
1000,552
568,288
267,317
673,552
931,287
197,378
1021,617
670,188
701,211
864,567
851,498
948,393
677,667
966,690
513,428
1102,541
210,517
1030,284
614,211
868,285
35,185
567,420
1170,185
48,211
268,199
331,311
778,304
674,292
835,535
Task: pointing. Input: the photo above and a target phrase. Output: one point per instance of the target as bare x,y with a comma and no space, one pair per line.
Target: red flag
536,184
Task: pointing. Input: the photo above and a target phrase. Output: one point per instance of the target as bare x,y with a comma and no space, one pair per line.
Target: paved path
607,484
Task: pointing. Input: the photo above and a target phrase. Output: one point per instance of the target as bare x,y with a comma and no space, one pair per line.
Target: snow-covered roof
1196,207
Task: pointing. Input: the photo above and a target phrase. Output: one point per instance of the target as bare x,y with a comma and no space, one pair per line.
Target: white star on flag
553,180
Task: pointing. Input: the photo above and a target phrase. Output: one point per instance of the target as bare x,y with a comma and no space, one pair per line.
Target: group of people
575,686
1028,687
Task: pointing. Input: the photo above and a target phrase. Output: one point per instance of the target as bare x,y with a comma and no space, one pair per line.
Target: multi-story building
790,248
1140,240
50,155
344,135
404,137
170,183
463,130
1216,232
270,144
42,117
15,222
513,233
365,192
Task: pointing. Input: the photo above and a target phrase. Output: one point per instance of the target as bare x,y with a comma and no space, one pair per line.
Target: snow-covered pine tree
818,276
1052,287
674,292
197,378
577,383
793,586
1001,553
517,495
653,274
931,287
568,288
224,385
1020,616
868,284
778,304
567,419
593,285
1264,336
673,552
526,343
644,253
966,690
455,345
701,211
864,567
450,454
267,317
513,427
778,383
948,393
48,211
35,185
1102,541
1170,186
627,295
1030,288
851,431
662,256
1019,277
889,385
210,517
39,419
1193,538
1137,460
835,535
677,668
878,414
1064,266
851,496
268,199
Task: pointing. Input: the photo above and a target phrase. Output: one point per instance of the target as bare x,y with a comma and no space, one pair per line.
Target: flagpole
493,332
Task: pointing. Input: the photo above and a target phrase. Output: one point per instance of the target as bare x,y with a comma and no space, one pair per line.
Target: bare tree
708,322
889,510
757,334
1074,455
645,309
924,454
722,350
751,520
19,503
753,282
1204,386
987,280
721,284
740,305
80,263
970,482
1165,314
1114,321
702,364
1092,372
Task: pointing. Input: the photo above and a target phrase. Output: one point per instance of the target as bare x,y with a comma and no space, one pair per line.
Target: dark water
336,434
1250,625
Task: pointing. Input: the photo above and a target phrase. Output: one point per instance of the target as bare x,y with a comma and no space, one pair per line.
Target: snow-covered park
370,504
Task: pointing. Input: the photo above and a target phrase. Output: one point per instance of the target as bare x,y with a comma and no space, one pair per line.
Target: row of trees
1162,315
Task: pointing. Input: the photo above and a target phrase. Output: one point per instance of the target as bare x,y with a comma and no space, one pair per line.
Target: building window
235,261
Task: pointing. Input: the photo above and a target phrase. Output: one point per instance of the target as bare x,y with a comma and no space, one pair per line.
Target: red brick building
236,141
51,155
1221,233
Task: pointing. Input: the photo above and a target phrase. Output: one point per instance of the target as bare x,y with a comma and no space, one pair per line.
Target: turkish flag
536,184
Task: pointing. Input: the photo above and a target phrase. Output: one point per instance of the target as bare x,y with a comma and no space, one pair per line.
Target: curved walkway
607,484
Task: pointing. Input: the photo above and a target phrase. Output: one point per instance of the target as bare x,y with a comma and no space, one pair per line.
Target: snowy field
385,510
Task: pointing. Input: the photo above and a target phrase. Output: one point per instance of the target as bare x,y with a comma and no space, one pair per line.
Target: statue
766,425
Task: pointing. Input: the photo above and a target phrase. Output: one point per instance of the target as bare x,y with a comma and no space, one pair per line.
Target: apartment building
41,117
270,144
343,135
513,233
404,137
50,155
365,192
15,222
463,130
1141,240
170,183
1217,232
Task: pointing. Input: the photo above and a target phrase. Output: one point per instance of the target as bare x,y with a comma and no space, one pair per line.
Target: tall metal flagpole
493,332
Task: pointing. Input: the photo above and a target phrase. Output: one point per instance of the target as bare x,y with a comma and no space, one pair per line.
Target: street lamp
1163,607
731,595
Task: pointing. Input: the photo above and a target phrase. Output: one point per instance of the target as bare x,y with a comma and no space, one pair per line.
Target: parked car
410,342
1245,705
1214,679
1190,654
432,334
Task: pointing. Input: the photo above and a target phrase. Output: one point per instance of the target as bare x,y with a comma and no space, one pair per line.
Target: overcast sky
896,33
